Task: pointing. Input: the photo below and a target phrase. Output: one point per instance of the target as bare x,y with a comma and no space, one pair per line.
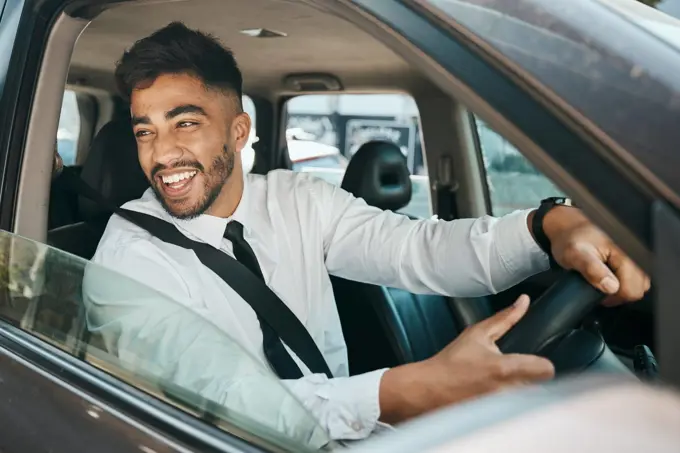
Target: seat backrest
112,168
379,174
63,206
385,327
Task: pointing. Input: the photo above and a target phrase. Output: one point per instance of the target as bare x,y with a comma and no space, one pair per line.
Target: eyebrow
187,108
170,114
140,120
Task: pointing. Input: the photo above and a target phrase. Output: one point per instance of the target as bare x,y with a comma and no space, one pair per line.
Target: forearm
403,395
558,219
461,258
485,255
410,390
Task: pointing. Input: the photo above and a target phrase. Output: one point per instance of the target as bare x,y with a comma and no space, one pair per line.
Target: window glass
56,297
68,131
617,77
248,153
514,183
324,132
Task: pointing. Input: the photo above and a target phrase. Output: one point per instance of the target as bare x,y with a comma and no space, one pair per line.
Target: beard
215,178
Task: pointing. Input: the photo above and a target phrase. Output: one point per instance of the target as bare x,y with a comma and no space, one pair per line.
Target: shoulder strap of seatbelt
253,290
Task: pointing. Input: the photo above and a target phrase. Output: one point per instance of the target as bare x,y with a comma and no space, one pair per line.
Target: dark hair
176,49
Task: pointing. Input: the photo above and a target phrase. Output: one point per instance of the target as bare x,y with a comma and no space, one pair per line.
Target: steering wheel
550,329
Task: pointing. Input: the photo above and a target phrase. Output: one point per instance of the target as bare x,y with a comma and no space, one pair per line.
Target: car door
574,150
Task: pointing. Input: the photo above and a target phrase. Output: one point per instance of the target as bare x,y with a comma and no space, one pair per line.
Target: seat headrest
379,174
112,168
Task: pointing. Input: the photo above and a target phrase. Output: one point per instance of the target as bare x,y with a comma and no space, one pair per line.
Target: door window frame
487,178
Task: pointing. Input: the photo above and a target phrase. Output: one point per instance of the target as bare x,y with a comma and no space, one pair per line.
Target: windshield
54,296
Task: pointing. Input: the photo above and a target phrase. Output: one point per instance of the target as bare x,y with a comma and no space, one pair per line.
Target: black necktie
277,356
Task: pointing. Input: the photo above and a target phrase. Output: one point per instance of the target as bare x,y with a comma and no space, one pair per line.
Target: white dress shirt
301,229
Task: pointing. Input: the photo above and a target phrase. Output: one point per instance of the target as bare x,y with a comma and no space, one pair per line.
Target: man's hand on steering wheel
579,245
473,365
470,366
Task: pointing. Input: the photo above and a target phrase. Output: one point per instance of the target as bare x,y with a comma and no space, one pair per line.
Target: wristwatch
537,224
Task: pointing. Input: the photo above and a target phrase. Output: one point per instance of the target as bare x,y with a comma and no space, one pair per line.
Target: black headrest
112,168
378,173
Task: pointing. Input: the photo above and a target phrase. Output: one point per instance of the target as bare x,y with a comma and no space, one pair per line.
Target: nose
166,149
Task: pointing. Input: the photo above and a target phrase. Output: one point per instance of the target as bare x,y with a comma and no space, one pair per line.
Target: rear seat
63,202
113,154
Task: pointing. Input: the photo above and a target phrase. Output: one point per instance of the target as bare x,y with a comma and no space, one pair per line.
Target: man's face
187,140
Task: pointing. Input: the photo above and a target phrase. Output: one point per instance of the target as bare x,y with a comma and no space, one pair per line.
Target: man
185,95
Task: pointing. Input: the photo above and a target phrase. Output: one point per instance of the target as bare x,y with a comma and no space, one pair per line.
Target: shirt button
356,426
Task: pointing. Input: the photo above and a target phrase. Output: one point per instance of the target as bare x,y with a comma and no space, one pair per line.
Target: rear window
324,131
68,132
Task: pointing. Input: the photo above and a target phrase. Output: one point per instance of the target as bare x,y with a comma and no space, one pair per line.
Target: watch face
562,201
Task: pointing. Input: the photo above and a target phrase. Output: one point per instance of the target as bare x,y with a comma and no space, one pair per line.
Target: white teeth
177,177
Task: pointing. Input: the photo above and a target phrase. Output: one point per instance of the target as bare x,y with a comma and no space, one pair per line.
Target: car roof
265,62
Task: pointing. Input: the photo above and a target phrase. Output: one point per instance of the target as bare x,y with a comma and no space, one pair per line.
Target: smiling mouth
177,183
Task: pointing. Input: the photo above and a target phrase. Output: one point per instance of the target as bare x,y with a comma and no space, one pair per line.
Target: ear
240,130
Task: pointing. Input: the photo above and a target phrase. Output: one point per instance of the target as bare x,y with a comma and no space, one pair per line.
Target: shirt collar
210,229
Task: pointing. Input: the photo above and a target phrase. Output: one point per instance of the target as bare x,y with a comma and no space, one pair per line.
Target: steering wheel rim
556,313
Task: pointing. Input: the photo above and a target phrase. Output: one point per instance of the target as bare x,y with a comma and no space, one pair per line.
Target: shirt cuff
517,248
354,405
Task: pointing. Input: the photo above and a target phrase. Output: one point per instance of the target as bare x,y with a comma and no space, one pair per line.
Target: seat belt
446,190
241,279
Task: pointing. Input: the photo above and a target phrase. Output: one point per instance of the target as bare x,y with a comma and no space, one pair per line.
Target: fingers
634,282
497,325
526,368
586,260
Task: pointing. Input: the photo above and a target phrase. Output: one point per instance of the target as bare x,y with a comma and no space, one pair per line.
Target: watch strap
537,225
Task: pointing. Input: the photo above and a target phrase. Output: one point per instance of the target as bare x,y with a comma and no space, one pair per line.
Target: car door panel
40,414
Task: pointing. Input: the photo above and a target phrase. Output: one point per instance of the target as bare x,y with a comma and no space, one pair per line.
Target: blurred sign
359,131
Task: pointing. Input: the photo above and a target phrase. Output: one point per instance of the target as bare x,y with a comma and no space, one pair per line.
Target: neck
230,196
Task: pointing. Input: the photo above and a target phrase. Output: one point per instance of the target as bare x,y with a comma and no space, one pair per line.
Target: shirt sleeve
160,334
460,258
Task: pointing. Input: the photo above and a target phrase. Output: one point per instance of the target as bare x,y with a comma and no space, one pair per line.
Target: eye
142,133
184,124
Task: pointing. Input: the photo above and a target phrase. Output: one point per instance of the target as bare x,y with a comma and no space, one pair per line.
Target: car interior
285,49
